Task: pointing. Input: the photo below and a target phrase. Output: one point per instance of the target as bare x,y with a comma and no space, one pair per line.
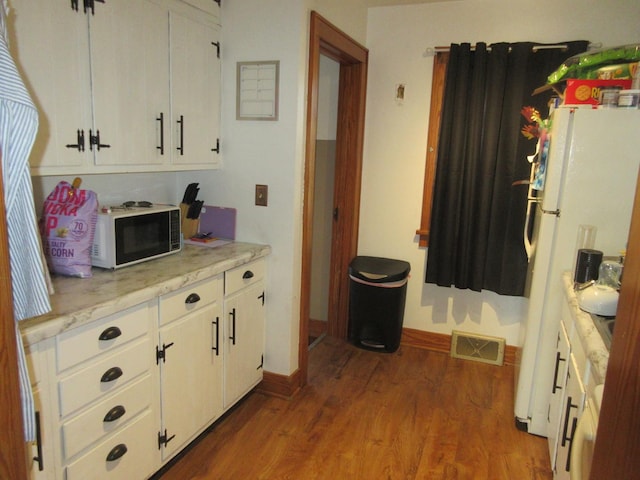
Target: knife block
189,225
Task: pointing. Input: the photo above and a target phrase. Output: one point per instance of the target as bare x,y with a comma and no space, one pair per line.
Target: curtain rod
431,51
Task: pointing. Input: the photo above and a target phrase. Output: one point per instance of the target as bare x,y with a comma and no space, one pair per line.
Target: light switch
262,192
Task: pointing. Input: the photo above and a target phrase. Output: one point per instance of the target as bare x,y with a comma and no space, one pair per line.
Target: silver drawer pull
112,374
117,452
114,414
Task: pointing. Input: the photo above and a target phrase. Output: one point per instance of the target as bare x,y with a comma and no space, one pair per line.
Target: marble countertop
78,301
592,342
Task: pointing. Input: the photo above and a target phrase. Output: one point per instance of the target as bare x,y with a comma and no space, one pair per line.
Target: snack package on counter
67,227
593,60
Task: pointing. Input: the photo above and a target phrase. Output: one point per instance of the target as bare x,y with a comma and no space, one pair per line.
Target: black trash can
377,294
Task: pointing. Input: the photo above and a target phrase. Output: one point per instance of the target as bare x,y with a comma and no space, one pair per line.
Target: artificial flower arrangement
537,127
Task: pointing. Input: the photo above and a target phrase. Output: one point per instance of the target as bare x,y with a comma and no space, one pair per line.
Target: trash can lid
379,270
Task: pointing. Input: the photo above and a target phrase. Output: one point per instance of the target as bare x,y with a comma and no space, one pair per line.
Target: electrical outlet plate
262,192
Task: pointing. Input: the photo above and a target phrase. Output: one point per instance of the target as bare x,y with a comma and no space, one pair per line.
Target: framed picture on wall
257,90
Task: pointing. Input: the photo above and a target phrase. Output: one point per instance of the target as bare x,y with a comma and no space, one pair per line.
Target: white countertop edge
157,277
588,334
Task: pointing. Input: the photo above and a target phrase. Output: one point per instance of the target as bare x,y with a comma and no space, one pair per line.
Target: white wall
271,153
395,136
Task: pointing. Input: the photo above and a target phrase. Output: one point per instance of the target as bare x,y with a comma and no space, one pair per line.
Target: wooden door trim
618,437
326,39
13,452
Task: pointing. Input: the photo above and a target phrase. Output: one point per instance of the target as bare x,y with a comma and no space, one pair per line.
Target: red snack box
588,91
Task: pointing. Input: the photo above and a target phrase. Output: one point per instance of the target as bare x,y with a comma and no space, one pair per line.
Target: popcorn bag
67,227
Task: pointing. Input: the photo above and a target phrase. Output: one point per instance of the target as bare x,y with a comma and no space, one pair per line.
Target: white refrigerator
591,171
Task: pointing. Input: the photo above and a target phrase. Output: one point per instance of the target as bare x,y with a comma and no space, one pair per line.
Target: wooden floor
413,414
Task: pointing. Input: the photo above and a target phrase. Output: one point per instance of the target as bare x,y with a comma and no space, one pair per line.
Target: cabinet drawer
189,299
78,345
243,276
137,462
86,385
90,426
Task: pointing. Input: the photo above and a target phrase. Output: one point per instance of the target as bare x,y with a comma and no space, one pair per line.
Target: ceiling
389,3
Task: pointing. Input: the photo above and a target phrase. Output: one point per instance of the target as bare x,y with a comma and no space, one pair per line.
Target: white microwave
126,236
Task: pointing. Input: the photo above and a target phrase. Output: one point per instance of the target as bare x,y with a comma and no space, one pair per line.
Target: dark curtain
477,218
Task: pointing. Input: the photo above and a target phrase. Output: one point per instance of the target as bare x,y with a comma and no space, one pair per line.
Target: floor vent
480,348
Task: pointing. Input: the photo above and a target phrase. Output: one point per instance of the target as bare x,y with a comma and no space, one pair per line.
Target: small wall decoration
257,90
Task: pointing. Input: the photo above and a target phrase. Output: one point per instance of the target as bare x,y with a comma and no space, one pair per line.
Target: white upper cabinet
130,81
104,81
195,92
50,43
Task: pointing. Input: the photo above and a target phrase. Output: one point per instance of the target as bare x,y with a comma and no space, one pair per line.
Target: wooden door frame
326,39
618,437
13,454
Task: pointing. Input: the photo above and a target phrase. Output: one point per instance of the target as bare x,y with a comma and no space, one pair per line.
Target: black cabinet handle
90,5
180,122
95,140
233,326
114,414
110,333
555,375
112,374
161,120
247,275
192,298
117,452
216,322
566,436
261,297
39,458
74,5
217,148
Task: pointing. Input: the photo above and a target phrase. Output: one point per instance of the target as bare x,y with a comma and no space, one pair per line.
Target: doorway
323,211
326,40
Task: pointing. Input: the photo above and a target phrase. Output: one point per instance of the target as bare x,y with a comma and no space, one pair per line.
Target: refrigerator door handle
527,240
555,212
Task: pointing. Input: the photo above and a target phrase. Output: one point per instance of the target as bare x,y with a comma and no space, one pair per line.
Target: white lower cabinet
118,397
190,358
40,451
129,453
558,390
566,404
244,330
571,412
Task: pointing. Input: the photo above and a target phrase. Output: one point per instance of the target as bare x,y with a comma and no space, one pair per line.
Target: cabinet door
190,376
571,412
50,43
40,452
195,91
130,82
558,389
244,342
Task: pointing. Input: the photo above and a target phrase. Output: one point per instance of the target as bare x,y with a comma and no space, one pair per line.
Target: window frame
440,62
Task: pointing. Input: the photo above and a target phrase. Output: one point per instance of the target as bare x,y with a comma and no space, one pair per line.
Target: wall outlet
262,192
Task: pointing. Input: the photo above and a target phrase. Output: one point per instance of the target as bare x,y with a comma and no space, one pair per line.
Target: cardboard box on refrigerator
578,91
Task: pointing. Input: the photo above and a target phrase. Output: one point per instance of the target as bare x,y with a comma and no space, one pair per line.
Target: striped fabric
29,278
